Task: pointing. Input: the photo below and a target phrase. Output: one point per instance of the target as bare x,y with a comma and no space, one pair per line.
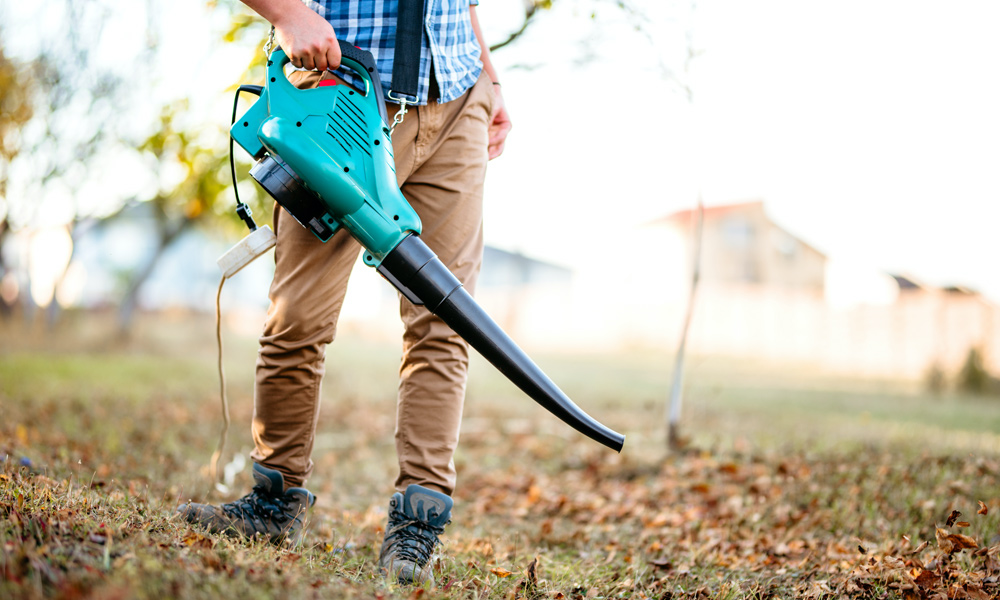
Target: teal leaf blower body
325,155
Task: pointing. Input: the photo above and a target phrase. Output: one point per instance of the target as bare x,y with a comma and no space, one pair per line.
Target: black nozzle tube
418,273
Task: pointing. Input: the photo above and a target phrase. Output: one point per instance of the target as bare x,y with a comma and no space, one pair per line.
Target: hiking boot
268,510
416,519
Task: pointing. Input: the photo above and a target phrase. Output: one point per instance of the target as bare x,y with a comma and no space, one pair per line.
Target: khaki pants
441,154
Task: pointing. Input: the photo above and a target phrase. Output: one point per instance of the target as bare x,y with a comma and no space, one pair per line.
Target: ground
794,483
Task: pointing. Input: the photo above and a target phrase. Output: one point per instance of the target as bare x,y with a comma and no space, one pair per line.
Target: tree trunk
130,301
675,441
6,308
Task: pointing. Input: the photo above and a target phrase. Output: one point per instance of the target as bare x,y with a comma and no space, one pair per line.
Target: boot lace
413,539
260,507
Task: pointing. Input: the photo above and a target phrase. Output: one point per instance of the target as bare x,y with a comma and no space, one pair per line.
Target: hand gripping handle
360,61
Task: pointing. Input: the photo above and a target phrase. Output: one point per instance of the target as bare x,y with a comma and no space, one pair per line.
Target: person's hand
499,124
308,39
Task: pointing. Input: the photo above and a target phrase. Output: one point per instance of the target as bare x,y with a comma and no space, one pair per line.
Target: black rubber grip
365,59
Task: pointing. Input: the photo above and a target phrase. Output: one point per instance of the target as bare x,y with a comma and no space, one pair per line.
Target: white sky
871,129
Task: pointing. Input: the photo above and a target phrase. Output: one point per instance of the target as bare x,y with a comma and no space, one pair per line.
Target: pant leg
307,293
441,161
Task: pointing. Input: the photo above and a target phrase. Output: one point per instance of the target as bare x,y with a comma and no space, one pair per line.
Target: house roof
906,282
687,218
711,212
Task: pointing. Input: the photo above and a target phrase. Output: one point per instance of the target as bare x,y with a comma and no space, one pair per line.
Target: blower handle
360,61
364,64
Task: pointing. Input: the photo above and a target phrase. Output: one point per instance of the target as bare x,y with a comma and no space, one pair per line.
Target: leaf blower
325,156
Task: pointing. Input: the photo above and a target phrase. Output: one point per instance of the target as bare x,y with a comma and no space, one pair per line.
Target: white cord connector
246,251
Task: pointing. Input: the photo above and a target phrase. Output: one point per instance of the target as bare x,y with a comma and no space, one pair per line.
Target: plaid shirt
449,41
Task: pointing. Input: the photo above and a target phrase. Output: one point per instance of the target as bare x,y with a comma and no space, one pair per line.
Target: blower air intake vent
348,126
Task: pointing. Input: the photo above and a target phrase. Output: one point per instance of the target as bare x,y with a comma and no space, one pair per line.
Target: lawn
794,483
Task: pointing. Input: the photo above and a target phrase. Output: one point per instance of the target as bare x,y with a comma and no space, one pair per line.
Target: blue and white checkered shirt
448,39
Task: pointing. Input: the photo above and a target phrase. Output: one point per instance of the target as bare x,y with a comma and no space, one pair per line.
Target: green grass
796,483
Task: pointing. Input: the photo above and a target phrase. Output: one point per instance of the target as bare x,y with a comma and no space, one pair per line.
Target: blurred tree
62,108
58,112
973,376
202,194
199,194
531,8
16,87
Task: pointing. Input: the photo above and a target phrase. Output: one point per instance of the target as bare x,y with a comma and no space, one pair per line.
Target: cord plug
247,250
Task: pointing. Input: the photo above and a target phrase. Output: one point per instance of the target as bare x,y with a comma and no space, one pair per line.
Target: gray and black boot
268,511
416,519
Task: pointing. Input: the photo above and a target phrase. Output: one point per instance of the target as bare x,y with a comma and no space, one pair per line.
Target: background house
741,245
765,293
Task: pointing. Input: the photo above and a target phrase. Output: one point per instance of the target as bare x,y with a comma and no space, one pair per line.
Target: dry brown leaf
962,541
954,542
501,572
919,548
701,488
962,524
546,527
975,592
982,508
952,518
943,542
533,572
196,540
927,579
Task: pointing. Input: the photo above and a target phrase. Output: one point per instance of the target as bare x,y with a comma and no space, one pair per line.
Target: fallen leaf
962,524
962,541
919,548
546,527
533,572
953,542
21,433
943,542
926,579
196,540
952,518
982,508
500,572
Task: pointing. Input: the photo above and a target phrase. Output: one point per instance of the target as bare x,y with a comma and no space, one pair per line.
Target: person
441,149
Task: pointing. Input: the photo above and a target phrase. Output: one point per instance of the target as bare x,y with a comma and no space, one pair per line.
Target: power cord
241,209
259,241
224,434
